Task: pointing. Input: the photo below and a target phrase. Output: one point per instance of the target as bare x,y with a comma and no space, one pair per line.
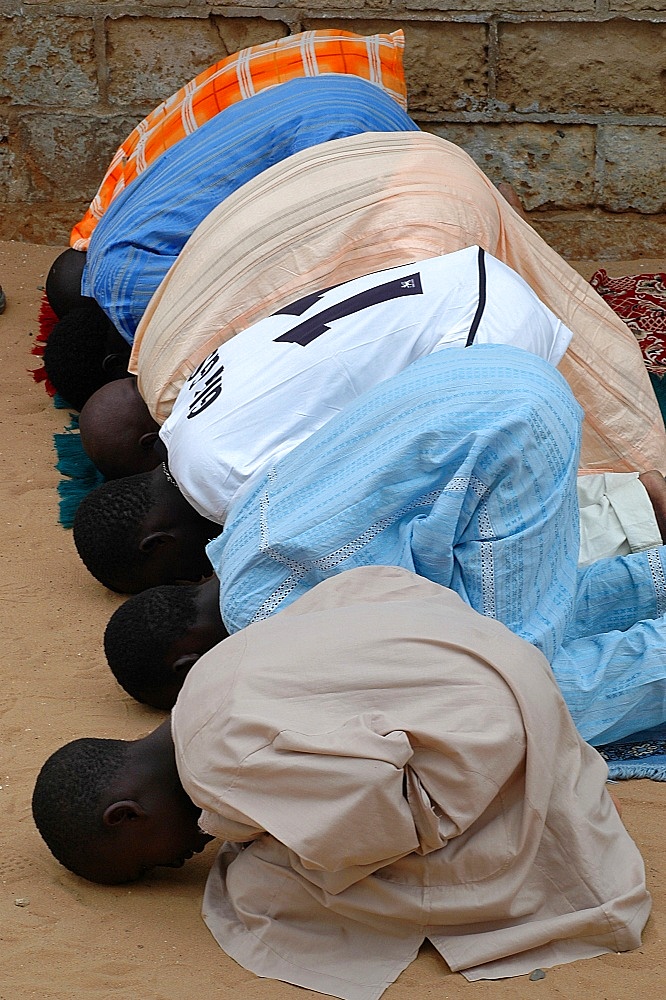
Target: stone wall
566,99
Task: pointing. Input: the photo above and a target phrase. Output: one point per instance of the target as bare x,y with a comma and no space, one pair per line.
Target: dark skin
655,487
63,282
207,630
146,818
117,353
173,537
118,433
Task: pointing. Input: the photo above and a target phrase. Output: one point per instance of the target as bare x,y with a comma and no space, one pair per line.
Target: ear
154,540
146,441
122,812
113,362
182,665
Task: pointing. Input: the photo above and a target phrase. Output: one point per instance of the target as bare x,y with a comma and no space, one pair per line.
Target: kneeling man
392,766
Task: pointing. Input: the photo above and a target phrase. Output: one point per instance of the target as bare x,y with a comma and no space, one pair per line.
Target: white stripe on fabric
488,580
140,151
263,507
244,75
187,115
374,59
308,54
461,484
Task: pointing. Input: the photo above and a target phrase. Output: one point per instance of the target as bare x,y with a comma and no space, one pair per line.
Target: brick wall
566,99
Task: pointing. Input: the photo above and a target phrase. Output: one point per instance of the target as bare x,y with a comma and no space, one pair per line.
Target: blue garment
462,468
144,229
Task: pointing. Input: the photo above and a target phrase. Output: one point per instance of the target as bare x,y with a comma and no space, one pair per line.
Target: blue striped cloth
145,228
462,468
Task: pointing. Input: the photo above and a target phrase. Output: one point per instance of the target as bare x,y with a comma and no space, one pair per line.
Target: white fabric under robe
616,516
262,393
397,767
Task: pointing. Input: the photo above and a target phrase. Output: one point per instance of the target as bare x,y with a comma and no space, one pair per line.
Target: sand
63,937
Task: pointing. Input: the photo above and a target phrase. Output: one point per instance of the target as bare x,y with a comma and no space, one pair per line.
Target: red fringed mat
47,319
639,300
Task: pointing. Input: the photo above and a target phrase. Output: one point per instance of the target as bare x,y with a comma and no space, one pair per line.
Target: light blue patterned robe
461,468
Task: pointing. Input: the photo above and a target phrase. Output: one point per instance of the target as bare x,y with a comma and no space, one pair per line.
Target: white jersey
257,396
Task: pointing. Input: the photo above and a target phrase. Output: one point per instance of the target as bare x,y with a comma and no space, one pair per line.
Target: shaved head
117,431
63,282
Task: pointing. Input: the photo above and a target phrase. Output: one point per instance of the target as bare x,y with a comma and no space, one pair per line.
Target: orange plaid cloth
377,58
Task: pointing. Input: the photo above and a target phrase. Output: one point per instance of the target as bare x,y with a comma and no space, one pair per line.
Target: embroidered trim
485,524
350,548
488,580
327,562
334,559
630,751
169,477
263,507
460,484
658,579
272,603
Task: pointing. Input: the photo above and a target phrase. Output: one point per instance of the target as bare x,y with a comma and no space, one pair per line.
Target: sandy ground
62,937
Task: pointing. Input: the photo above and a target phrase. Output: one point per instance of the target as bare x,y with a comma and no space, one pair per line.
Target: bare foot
509,194
655,487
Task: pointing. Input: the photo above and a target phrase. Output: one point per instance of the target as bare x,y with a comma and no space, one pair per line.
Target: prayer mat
46,320
639,300
79,476
641,755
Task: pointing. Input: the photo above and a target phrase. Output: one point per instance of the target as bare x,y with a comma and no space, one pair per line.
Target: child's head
63,282
140,532
153,639
110,810
118,433
84,352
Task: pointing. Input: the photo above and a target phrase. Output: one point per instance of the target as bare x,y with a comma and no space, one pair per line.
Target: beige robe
360,204
402,769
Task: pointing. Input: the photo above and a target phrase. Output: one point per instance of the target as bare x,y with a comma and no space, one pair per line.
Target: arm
616,593
614,683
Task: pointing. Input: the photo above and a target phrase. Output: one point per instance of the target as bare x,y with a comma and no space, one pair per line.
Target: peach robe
360,204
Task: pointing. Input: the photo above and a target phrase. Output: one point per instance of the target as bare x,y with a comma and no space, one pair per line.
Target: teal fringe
81,475
60,403
659,386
